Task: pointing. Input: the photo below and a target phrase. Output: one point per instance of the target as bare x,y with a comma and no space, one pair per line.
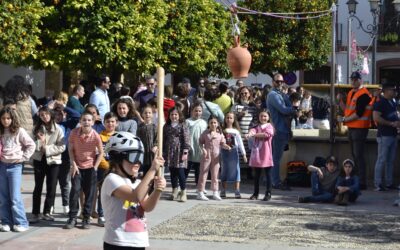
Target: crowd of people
98,144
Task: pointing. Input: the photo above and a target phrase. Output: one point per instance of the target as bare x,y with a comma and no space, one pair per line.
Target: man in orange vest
357,117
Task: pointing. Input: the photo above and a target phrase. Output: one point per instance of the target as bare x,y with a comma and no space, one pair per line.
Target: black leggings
268,179
107,246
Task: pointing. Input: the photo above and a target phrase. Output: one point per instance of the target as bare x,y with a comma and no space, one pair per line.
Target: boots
182,196
267,196
345,200
174,194
338,199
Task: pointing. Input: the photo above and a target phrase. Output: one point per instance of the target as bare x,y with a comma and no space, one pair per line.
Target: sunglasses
279,81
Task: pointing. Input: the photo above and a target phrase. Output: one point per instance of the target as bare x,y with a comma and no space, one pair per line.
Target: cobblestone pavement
293,225
281,223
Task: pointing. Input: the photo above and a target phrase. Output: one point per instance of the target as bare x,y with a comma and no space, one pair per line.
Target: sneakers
71,223
34,219
51,210
66,210
201,196
254,197
20,229
100,221
216,196
48,217
222,194
85,224
237,195
5,228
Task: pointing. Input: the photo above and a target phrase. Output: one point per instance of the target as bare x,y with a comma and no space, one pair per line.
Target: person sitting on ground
323,182
347,184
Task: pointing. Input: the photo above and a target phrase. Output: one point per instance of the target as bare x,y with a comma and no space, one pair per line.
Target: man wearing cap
357,117
385,115
192,91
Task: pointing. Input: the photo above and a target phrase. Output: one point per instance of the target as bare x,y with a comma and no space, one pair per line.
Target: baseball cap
356,75
388,86
185,80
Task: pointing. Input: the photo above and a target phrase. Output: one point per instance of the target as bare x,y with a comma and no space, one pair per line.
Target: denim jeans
85,181
318,193
387,147
64,179
357,139
178,174
279,141
42,170
12,211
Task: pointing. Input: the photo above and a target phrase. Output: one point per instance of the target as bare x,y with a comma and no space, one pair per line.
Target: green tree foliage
19,30
287,45
103,35
197,34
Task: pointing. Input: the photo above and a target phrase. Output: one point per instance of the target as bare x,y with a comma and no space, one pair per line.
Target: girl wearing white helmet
124,197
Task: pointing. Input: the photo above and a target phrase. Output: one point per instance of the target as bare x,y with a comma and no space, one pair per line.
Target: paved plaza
282,223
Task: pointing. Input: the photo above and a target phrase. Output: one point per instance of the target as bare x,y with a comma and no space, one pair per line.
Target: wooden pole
160,111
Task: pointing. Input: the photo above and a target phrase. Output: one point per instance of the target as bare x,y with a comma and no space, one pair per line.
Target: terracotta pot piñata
239,60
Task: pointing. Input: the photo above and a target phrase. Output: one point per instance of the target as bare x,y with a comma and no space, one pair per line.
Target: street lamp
371,29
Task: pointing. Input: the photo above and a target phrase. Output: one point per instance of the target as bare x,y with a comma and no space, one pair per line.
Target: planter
239,60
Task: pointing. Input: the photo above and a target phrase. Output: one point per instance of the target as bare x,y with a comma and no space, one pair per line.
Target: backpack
298,174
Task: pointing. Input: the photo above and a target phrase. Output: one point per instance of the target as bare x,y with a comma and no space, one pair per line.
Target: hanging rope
234,20
283,15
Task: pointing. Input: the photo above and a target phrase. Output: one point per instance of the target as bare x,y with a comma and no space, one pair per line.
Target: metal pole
349,49
375,45
333,79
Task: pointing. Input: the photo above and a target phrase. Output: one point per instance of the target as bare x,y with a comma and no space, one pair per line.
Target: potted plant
390,38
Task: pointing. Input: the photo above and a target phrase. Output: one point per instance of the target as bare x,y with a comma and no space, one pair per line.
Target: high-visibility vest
365,120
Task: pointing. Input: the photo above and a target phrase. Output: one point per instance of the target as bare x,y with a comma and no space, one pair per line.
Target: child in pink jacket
261,153
211,142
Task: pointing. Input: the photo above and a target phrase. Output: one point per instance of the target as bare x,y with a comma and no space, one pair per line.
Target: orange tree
19,30
102,36
197,34
287,45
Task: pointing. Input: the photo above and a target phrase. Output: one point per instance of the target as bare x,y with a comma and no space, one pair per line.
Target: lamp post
371,29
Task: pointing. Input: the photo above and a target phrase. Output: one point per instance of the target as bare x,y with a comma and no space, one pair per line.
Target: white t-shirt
125,222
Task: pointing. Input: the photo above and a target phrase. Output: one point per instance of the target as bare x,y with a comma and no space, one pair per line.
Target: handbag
209,110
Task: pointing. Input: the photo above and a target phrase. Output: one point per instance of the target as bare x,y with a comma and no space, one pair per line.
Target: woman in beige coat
49,139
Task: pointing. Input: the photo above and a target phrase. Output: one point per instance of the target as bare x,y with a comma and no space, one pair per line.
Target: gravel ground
296,226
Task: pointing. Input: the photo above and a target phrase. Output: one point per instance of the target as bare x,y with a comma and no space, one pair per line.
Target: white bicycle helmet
126,145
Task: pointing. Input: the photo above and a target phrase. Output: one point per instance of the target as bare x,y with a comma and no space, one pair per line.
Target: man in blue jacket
280,109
